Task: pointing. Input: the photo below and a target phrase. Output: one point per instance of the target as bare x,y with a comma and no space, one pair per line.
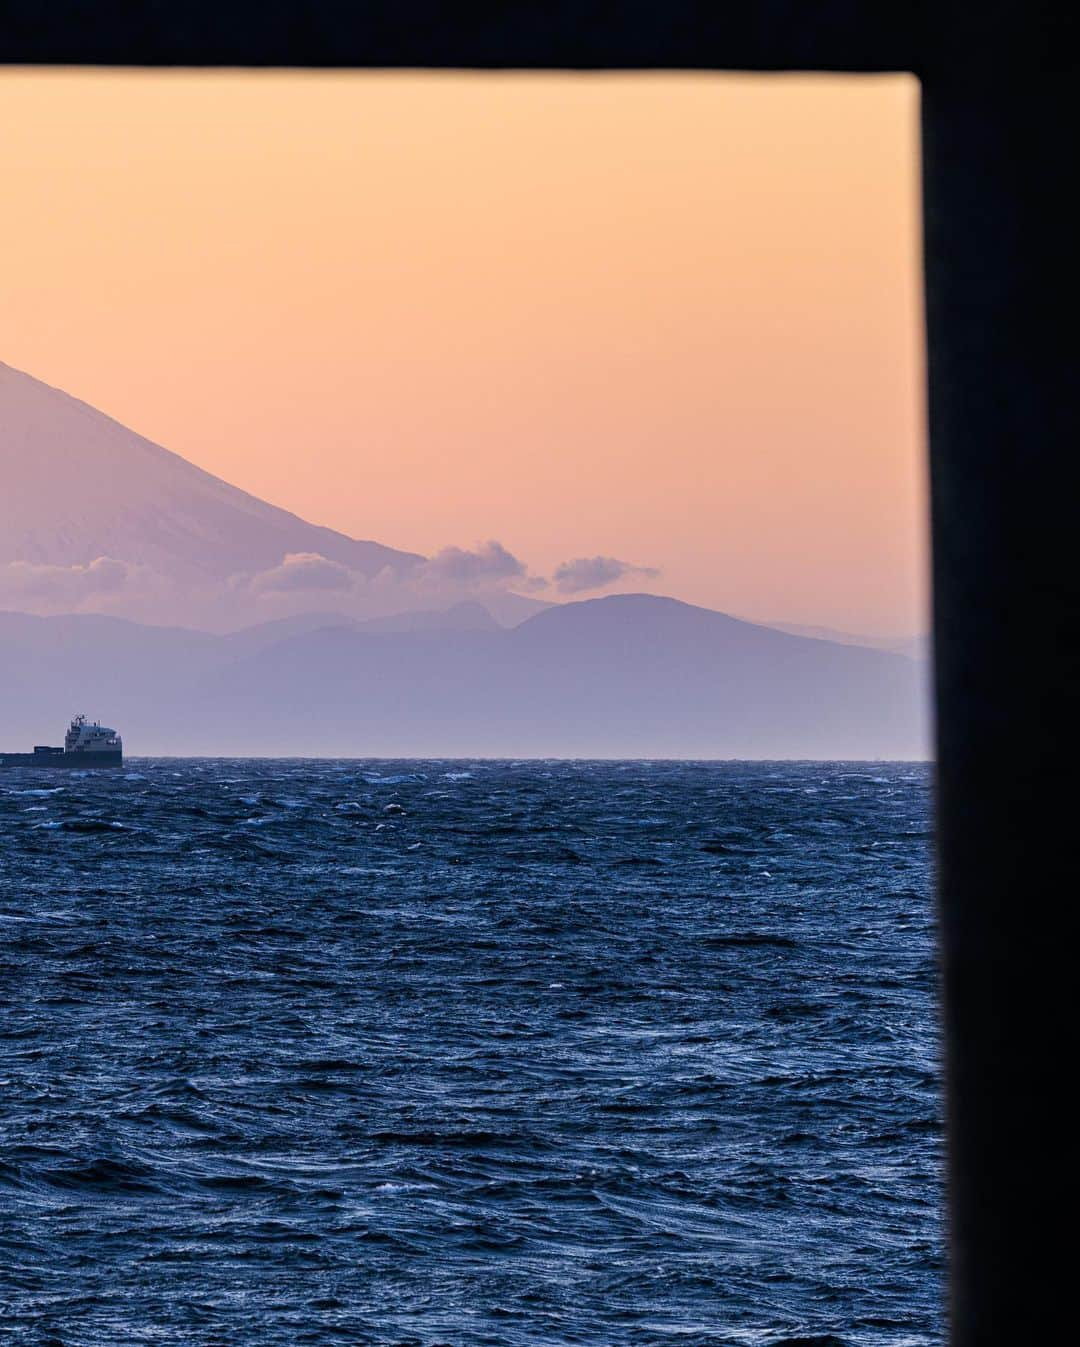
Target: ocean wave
539,1055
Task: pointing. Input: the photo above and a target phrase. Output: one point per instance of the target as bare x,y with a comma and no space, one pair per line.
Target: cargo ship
86,744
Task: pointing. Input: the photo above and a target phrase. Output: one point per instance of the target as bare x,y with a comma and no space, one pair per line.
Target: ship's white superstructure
84,737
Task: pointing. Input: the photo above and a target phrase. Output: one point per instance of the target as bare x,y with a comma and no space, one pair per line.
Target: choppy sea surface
300,1052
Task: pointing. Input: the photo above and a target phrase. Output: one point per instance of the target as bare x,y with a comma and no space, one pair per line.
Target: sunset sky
673,320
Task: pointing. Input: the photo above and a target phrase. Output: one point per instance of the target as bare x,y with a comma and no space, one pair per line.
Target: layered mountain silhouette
359,660
78,486
629,675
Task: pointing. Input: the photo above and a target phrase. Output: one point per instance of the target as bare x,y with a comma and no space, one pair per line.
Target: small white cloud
64,586
487,563
486,566
584,573
300,571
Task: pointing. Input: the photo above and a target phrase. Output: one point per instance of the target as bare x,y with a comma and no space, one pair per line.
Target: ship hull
61,761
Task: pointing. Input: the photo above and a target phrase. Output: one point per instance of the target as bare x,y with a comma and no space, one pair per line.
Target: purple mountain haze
624,676
362,650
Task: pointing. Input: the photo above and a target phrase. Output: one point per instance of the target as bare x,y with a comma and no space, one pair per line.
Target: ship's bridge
84,736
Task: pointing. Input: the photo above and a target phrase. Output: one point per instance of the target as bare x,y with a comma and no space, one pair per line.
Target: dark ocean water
468,1053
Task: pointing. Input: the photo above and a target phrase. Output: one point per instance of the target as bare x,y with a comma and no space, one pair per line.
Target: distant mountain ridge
624,676
78,485
915,647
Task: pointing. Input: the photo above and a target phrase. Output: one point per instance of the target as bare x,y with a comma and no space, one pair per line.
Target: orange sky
673,320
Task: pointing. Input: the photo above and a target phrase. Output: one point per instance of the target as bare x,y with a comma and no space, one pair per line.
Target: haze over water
469,1053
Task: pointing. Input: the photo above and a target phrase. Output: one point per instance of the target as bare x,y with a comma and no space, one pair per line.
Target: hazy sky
673,320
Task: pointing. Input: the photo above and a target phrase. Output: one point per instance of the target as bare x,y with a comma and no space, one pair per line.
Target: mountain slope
77,485
915,647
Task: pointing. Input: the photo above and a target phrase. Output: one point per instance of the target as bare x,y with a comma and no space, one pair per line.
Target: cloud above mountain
300,581
65,587
303,571
486,563
585,573
305,577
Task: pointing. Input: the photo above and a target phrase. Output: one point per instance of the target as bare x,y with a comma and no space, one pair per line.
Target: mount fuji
78,486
